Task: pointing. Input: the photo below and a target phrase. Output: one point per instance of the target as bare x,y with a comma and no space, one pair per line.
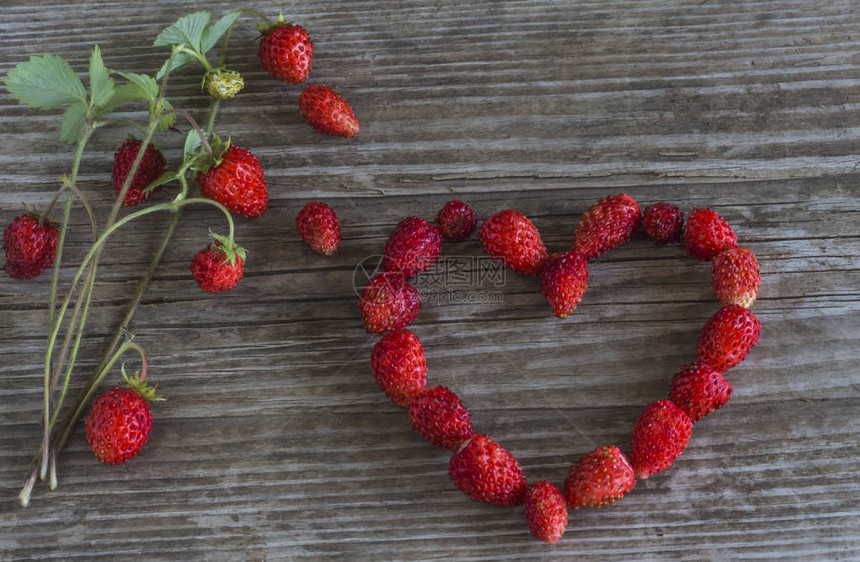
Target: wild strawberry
487,472
599,478
219,266
319,227
727,337
223,84
510,237
660,436
699,391
563,281
151,168
456,220
399,366
606,224
546,513
437,414
706,234
30,247
663,222
237,182
388,303
735,277
285,51
328,112
120,421
413,247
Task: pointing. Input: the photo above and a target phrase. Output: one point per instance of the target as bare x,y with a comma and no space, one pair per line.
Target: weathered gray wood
276,443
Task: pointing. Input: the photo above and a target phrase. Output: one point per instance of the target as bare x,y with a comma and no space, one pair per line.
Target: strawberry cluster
481,467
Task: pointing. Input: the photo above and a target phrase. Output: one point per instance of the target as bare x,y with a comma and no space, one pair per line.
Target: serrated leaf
180,59
168,177
192,143
146,83
139,87
45,82
187,31
73,122
166,121
214,32
101,84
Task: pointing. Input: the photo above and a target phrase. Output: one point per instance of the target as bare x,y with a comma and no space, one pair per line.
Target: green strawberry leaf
101,84
186,31
179,59
138,87
147,84
46,82
214,32
168,177
166,121
73,122
192,144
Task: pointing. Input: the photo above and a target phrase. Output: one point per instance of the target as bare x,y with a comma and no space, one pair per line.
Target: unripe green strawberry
223,84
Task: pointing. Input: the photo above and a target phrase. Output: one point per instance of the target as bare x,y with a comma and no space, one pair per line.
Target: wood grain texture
275,442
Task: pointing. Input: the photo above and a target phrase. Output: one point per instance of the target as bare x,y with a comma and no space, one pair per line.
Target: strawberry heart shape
484,469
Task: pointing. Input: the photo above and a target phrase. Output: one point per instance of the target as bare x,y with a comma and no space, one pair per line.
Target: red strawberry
599,478
237,182
286,51
735,277
487,472
151,168
120,421
699,391
328,112
660,436
456,220
663,222
546,513
706,234
388,302
30,247
399,366
437,414
219,266
563,280
727,337
413,247
606,224
510,237
319,227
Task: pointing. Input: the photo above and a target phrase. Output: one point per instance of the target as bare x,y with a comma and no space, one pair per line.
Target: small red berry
237,182
456,220
151,168
30,247
118,425
727,337
706,234
319,227
487,472
599,478
663,222
286,52
606,224
699,391
563,281
510,237
328,112
546,512
219,266
735,277
660,436
399,366
388,303
437,414
412,248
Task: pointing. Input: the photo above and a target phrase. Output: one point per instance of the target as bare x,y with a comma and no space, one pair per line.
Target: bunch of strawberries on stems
232,180
229,178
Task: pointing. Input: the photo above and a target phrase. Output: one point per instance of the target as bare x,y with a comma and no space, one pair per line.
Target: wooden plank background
275,442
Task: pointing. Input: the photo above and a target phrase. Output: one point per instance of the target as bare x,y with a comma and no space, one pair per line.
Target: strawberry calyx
140,385
228,247
204,161
268,25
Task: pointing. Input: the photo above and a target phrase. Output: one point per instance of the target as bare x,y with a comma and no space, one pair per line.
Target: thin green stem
213,109
127,122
